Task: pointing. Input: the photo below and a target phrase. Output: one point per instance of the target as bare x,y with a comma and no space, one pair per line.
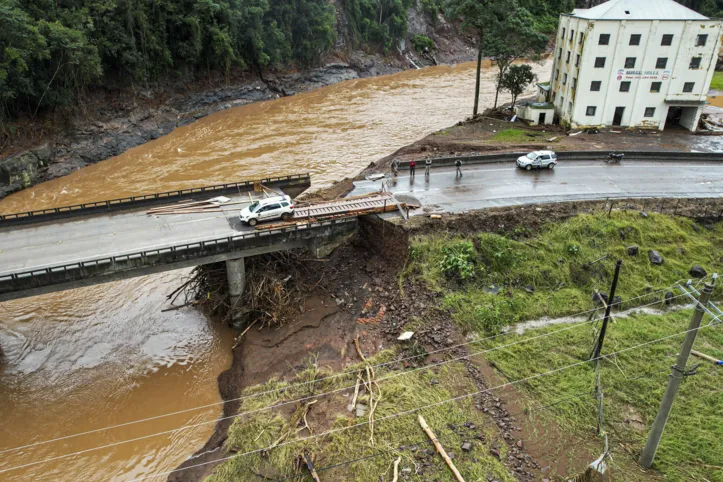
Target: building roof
638,10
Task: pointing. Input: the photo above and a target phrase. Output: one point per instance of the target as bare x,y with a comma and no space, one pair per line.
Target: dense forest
52,50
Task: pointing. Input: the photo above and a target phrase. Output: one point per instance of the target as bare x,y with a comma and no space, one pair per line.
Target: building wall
577,87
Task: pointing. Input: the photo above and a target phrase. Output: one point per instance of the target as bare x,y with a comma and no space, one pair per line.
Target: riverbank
390,279
112,122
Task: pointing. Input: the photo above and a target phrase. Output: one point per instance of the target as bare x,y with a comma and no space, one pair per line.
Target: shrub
420,42
458,261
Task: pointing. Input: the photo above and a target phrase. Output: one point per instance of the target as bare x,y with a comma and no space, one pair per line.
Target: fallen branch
440,449
396,469
310,466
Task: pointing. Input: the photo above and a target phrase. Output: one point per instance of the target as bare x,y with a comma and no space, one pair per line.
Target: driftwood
440,449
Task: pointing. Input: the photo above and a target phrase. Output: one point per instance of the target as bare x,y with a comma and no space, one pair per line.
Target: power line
448,436
289,387
302,399
417,409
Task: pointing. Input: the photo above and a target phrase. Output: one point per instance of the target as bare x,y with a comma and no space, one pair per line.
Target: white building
633,63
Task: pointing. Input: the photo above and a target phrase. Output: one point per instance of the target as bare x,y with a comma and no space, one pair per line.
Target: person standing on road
427,165
458,165
412,167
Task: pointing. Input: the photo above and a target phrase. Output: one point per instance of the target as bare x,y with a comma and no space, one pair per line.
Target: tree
516,80
474,15
511,36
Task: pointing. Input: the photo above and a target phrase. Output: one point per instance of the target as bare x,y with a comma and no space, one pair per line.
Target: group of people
427,167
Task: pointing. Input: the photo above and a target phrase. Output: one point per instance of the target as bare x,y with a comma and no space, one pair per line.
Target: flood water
99,356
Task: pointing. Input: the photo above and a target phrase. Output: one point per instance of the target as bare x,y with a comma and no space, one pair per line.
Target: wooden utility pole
676,376
611,300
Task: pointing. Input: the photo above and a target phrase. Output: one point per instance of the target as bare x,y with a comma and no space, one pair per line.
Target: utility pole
676,376
601,338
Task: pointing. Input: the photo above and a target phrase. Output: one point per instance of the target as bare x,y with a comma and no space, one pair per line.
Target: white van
277,207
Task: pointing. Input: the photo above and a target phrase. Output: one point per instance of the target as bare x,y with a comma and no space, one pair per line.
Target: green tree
510,37
475,15
516,80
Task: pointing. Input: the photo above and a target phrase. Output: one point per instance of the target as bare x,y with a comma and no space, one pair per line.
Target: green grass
518,135
398,394
554,265
717,82
691,447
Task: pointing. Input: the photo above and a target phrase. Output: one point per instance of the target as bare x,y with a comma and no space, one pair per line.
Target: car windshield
254,205
531,155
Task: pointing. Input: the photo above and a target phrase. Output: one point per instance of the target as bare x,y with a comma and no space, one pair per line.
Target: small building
535,113
633,63
543,91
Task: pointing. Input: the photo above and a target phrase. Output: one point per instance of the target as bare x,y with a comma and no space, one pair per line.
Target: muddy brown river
105,355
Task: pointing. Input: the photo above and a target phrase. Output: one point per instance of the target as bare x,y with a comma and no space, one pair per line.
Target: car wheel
286,216
528,167
253,221
551,166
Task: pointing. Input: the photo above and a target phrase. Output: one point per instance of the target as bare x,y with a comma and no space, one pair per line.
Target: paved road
81,239
502,184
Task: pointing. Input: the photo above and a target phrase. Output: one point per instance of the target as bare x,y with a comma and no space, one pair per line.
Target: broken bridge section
45,257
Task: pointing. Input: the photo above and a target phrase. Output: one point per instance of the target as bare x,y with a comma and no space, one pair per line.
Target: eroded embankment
358,292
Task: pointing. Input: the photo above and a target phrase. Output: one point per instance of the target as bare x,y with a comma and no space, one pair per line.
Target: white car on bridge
276,207
537,160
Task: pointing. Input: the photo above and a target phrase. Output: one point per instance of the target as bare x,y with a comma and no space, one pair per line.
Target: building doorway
541,119
679,117
618,117
673,117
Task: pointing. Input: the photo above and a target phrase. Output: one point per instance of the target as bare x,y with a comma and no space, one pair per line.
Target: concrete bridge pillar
236,273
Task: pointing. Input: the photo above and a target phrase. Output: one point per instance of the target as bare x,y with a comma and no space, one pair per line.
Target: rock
632,250
43,152
644,214
697,272
406,470
655,257
434,382
529,289
519,443
495,452
360,409
466,447
668,297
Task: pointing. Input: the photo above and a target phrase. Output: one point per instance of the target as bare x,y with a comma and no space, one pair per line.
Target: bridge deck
55,243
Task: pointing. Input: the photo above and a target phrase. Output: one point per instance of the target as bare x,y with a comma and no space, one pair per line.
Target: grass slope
554,266
399,436
717,82
549,274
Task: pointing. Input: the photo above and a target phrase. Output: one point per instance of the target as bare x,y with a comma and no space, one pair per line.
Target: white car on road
276,207
537,160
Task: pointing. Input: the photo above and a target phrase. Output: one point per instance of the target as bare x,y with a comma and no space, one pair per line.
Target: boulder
466,447
655,257
668,297
632,250
697,272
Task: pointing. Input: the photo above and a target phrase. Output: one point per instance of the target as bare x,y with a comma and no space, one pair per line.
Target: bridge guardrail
51,275
129,202
572,156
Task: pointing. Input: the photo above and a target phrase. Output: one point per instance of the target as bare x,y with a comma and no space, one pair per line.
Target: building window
604,39
688,86
655,86
572,35
700,40
630,62
574,82
599,62
563,33
595,86
564,79
568,57
557,74
625,86
559,53
649,112
667,40
661,62
577,61
695,62
635,39
562,101
581,35
569,106
590,110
